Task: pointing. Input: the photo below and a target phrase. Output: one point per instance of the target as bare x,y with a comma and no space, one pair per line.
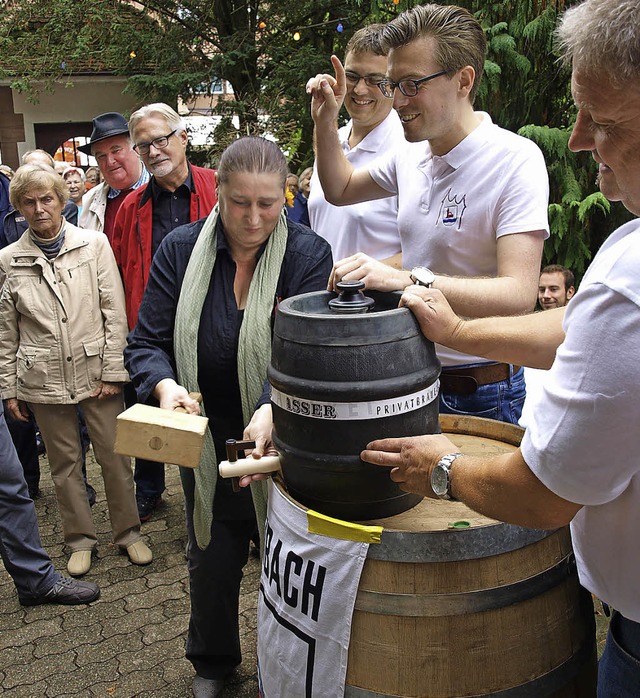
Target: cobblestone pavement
131,641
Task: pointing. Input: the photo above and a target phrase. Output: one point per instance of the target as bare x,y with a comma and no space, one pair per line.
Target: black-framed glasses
160,143
409,88
370,80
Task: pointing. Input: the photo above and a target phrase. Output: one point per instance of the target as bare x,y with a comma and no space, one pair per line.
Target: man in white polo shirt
472,197
579,459
374,129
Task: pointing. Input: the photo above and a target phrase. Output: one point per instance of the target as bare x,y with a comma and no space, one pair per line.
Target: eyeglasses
409,88
160,143
370,80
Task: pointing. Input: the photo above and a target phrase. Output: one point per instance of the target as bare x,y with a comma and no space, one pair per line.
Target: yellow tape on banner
344,530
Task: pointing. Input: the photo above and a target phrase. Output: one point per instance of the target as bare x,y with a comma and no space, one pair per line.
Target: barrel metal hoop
541,687
464,603
453,545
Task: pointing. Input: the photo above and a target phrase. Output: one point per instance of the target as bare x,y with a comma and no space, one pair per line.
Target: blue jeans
502,400
619,667
20,547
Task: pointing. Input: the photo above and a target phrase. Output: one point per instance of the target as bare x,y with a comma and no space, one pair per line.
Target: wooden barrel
454,604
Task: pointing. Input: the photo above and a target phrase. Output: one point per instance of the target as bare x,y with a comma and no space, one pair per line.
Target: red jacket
132,234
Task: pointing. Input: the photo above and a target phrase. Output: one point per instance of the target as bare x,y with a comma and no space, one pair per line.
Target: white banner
308,588
356,410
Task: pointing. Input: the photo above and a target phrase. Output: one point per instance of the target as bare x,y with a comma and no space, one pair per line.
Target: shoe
146,506
91,494
34,492
139,553
207,688
79,563
70,592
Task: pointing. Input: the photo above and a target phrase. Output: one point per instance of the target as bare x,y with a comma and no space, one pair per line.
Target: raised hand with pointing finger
327,93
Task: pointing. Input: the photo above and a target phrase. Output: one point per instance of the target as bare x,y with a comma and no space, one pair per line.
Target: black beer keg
341,378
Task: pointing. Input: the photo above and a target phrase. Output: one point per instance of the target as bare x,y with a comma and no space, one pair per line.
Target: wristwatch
422,276
441,476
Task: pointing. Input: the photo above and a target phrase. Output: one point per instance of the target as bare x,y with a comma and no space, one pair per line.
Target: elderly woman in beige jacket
62,333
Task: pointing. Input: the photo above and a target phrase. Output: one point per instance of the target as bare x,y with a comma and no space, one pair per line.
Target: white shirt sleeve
383,172
583,441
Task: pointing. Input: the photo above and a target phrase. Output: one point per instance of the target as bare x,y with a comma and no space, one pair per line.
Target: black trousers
23,435
213,641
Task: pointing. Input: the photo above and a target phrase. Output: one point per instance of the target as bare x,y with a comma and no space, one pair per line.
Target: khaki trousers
59,428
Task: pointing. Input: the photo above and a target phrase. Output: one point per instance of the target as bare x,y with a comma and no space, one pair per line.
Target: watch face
423,276
440,480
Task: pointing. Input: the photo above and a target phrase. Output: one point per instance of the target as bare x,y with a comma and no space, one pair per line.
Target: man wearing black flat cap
121,168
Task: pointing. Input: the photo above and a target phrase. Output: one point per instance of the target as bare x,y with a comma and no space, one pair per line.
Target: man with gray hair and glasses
579,460
177,193
473,197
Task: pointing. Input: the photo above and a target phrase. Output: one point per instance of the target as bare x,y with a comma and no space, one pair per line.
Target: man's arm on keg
502,487
524,340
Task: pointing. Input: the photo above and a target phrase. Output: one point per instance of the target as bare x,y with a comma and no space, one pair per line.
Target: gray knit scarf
254,352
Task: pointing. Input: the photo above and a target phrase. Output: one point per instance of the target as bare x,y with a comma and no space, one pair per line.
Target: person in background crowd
205,325
373,130
14,224
7,171
292,183
472,197
299,212
178,193
578,462
92,175
74,177
121,169
31,569
62,334
6,175
556,286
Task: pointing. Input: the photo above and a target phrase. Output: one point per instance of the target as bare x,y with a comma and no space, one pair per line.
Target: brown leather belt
465,381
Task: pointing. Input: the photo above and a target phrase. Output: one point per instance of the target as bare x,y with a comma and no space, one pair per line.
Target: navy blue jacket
5,205
299,213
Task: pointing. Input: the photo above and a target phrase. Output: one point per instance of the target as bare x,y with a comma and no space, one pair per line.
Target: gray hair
460,40
29,178
40,154
252,154
164,111
602,37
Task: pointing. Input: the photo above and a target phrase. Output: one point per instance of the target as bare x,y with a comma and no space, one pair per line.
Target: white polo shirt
371,226
453,208
582,440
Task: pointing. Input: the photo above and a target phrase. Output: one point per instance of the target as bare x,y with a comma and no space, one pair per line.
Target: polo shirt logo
452,209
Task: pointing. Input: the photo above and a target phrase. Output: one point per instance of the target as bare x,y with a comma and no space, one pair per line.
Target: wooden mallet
164,436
